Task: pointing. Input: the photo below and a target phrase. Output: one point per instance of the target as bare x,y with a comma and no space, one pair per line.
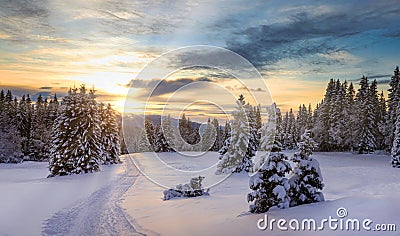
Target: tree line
346,120
25,128
186,135
75,135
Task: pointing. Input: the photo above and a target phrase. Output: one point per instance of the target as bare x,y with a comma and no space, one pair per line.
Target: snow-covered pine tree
269,185
160,143
393,112
289,130
306,179
396,143
90,146
279,126
381,121
76,135
169,134
109,135
253,138
217,144
10,140
337,120
144,144
302,119
194,136
227,140
53,110
323,121
149,128
366,118
233,160
208,137
350,119
24,116
40,132
258,120
375,110
184,128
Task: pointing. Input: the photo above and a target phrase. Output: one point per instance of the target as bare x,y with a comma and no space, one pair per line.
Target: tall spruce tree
40,132
393,112
149,129
253,142
323,122
76,146
218,143
10,140
396,143
169,134
381,122
109,135
24,115
366,136
234,159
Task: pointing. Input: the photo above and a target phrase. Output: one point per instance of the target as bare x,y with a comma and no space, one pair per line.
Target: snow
118,201
366,185
31,203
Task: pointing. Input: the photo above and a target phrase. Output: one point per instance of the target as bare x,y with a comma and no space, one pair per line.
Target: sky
49,46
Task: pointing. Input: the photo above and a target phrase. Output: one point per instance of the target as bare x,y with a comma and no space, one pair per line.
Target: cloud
386,81
45,95
379,76
45,87
21,20
307,33
160,87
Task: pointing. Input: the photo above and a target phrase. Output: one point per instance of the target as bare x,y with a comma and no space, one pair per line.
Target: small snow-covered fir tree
144,144
76,135
226,140
396,144
109,135
234,159
149,128
218,137
160,143
269,185
169,134
306,180
208,137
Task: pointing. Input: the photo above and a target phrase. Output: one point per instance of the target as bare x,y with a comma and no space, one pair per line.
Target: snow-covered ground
118,201
87,204
365,185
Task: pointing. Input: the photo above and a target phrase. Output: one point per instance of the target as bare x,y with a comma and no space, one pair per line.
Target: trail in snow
100,214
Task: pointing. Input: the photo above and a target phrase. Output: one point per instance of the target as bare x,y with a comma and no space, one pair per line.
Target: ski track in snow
100,214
